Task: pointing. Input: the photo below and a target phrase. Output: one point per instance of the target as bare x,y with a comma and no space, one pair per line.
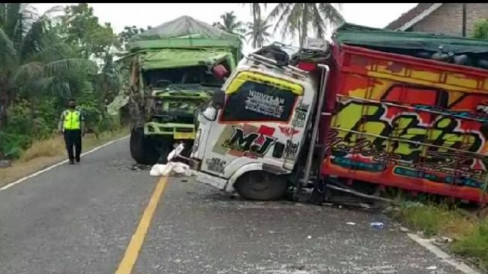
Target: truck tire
141,148
261,186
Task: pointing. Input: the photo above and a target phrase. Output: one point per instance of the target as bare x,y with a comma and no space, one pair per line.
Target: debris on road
137,167
441,240
376,225
5,163
171,168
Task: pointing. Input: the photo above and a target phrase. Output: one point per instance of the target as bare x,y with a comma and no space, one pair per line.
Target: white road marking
442,255
58,164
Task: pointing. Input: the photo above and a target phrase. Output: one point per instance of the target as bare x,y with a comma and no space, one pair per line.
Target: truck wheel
261,186
141,148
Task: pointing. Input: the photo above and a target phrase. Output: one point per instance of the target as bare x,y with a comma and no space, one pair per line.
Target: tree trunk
254,28
303,32
6,98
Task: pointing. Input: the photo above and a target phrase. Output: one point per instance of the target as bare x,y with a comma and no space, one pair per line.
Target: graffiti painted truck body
171,74
389,116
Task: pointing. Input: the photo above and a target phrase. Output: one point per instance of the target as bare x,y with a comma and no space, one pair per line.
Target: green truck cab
172,73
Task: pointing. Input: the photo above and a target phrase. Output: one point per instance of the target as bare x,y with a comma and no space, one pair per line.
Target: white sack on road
171,168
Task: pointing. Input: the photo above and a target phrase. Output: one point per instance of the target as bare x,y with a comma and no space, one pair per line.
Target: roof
184,31
356,35
413,16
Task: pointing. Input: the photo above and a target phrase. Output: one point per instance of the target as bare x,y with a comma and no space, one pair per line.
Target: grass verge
468,231
47,152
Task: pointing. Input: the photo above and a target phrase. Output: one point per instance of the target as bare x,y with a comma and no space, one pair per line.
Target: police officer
72,125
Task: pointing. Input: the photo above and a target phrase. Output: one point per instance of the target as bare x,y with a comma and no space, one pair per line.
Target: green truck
173,72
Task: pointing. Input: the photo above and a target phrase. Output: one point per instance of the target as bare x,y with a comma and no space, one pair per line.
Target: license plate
184,135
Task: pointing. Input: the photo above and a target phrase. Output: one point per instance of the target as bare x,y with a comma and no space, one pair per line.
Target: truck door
263,120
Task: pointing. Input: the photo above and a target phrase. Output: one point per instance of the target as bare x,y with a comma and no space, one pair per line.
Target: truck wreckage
372,110
173,69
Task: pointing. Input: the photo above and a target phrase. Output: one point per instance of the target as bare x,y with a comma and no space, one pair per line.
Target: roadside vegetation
467,227
46,59
464,229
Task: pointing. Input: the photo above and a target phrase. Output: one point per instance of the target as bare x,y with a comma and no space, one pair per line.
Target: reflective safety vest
72,120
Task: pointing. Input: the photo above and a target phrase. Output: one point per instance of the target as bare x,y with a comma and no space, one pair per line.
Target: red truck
396,109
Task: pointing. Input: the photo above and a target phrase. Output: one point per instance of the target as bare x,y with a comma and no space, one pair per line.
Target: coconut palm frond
318,23
299,18
330,13
7,48
31,41
27,72
280,12
60,67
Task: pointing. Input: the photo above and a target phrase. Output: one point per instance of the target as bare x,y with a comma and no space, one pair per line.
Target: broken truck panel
171,76
390,119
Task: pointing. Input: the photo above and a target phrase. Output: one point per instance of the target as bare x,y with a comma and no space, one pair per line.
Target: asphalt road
80,219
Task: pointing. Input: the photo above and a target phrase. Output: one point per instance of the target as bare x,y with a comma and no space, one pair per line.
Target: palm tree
299,17
257,22
258,33
231,24
32,58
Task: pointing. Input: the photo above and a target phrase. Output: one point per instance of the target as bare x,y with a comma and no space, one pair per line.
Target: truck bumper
211,180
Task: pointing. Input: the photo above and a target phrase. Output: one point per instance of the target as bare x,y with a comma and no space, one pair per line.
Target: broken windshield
162,78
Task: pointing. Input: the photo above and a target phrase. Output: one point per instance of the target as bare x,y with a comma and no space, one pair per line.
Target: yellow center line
132,252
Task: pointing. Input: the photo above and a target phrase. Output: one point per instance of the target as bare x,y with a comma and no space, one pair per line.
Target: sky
143,15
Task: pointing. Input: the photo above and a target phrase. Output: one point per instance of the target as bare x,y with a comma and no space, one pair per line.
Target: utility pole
464,19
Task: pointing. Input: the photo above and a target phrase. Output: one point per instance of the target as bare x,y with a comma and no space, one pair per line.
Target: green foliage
231,24
475,244
481,29
128,33
429,219
27,122
15,135
84,32
468,231
47,59
259,33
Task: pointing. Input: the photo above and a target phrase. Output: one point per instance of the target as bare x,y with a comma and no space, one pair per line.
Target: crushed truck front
172,74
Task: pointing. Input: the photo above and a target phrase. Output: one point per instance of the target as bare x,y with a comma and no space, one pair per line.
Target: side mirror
210,113
218,99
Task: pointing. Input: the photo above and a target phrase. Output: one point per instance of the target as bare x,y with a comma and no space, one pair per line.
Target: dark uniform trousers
72,139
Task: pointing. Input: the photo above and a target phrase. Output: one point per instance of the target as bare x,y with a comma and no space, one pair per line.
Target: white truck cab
249,136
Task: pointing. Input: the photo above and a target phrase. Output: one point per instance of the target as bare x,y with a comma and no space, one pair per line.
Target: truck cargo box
407,122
